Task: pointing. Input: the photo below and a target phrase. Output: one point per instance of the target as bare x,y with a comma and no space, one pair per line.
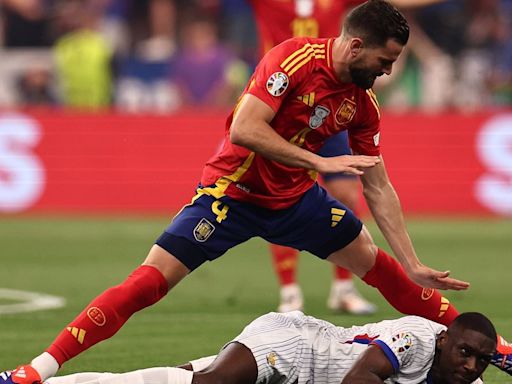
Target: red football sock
106,314
342,273
285,263
388,276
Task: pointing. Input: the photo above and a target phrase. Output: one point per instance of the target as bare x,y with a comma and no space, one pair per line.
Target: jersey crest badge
402,342
272,359
345,112
277,83
318,116
203,230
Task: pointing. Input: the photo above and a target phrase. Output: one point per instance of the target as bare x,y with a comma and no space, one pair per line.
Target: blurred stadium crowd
155,56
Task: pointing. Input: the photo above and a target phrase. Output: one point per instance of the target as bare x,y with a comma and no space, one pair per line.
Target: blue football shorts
336,145
205,229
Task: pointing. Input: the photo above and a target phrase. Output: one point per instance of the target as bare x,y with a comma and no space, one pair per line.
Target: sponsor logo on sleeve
277,83
376,139
401,342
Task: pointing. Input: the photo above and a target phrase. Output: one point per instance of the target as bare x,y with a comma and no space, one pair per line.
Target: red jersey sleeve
365,134
280,71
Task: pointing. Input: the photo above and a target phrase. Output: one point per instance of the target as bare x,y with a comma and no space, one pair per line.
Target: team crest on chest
345,112
203,230
318,116
277,83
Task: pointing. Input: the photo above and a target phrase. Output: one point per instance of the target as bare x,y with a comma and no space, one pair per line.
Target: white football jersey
295,348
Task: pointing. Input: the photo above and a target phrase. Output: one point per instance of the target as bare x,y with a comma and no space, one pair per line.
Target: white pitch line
30,301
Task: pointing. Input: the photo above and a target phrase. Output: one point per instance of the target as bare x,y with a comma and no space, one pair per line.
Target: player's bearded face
362,76
372,62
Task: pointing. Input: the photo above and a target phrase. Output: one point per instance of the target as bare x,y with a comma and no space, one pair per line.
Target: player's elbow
238,134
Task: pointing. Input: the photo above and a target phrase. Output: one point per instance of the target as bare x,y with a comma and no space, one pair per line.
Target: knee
169,266
359,256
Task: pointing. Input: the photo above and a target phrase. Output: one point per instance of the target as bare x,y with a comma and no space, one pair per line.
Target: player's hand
430,278
350,164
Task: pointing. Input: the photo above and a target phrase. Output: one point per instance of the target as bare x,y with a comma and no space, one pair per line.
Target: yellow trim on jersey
373,99
300,137
223,182
328,53
221,185
302,56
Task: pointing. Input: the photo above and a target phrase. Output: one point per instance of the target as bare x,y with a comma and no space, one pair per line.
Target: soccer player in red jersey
262,183
277,21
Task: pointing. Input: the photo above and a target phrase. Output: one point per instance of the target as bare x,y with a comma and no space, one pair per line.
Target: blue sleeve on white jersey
389,354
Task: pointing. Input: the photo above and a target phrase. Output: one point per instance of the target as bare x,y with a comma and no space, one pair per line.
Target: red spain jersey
297,80
279,20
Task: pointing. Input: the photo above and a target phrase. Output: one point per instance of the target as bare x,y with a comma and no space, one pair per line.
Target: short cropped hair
375,22
476,322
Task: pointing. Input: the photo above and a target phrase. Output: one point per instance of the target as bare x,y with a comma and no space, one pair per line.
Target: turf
79,257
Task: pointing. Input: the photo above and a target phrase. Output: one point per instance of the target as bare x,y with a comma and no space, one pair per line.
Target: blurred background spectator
144,82
160,55
206,72
83,56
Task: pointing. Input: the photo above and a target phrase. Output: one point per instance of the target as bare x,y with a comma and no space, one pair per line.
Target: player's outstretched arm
386,209
251,129
373,367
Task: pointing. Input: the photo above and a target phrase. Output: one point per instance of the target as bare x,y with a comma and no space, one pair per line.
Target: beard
363,78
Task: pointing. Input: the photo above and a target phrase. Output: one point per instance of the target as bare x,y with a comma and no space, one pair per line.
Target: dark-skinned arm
372,367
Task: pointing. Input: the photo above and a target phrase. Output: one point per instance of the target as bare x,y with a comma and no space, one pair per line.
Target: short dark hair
476,322
377,21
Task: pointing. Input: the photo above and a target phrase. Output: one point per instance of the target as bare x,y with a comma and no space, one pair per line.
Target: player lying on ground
295,348
262,184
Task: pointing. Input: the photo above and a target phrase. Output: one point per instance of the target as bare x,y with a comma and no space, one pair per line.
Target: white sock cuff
46,365
179,376
202,363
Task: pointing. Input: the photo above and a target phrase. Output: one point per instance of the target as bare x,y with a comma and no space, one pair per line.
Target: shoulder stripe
300,51
372,95
373,99
328,53
302,56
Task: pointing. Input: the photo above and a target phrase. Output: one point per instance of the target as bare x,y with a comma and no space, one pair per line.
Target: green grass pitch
80,257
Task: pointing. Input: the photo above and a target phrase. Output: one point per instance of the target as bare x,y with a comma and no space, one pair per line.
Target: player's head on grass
464,350
375,33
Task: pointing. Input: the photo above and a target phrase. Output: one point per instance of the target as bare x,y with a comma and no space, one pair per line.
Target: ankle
45,365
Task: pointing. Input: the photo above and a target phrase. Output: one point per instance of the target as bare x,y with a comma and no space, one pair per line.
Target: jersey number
221,212
304,27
